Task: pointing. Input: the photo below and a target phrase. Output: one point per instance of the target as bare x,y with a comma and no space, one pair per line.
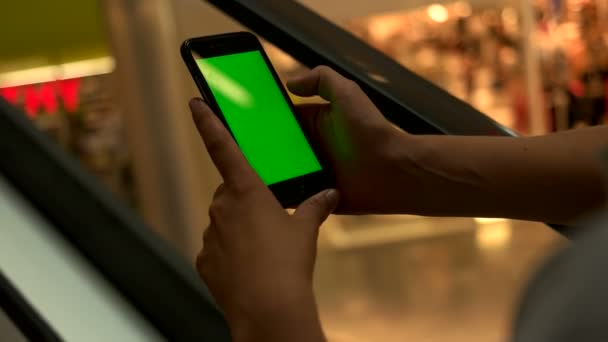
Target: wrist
402,148
402,172
294,319
430,165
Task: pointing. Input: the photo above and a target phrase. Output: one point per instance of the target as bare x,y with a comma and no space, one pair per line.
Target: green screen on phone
259,116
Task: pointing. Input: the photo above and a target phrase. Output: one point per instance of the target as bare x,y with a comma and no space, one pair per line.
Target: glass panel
59,283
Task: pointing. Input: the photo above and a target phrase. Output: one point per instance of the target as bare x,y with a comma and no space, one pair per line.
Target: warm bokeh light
382,27
492,234
463,9
438,13
84,68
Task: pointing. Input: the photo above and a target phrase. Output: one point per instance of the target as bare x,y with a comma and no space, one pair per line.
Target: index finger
225,153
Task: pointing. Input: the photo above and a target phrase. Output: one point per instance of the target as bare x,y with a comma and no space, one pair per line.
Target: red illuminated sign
45,97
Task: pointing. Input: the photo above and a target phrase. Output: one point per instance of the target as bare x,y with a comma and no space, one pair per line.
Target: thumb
316,209
305,84
321,81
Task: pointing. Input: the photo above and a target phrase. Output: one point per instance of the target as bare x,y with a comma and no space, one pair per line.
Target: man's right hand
356,141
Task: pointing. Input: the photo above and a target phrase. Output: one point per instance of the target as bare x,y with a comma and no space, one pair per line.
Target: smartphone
236,78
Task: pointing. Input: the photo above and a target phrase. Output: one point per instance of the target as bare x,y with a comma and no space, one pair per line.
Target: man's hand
258,260
355,139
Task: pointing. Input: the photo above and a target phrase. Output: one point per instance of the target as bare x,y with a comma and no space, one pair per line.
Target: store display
82,117
473,53
478,55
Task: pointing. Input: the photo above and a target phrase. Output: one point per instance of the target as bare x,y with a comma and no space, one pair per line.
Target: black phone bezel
289,192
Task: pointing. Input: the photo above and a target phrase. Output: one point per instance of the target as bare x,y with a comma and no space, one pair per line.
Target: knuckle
206,234
324,69
218,192
316,202
205,263
215,210
200,263
346,89
214,144
243,188
203,271
350,86
325,75
199,258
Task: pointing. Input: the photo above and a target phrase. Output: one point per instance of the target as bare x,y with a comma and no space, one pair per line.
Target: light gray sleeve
567,300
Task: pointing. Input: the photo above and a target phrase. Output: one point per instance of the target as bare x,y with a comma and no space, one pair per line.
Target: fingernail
296,78
197,102
197,106
331,194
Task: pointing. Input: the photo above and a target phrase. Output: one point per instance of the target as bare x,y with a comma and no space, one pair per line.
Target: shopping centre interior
104,80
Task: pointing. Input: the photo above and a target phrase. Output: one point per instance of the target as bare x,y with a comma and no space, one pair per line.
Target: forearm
555,178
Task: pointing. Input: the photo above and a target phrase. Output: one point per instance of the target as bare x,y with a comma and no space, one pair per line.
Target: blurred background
104,80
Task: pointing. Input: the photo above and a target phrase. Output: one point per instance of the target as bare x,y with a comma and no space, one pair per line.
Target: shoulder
567,300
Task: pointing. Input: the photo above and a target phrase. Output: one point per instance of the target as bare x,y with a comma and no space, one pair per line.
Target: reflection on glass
226,85
438,13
